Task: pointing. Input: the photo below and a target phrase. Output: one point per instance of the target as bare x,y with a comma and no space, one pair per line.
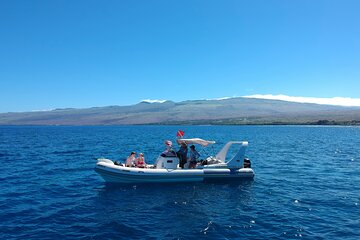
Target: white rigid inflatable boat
166,168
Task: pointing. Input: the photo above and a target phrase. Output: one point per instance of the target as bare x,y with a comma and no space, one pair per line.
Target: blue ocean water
307,185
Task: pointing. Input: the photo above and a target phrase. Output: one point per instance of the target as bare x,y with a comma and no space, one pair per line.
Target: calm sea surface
307,185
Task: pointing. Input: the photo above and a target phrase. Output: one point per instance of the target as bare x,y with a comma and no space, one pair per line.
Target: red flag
180,133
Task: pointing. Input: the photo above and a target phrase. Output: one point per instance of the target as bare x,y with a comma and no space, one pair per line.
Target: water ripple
306,185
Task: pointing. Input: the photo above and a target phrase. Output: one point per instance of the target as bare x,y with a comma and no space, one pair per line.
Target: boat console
165,162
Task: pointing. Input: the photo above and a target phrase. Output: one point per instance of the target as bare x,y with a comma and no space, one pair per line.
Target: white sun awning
199,141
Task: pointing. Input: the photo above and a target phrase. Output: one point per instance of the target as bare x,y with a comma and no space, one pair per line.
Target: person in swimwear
140,161
130,161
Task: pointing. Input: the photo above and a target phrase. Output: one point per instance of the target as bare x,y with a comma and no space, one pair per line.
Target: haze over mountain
336,101
238,110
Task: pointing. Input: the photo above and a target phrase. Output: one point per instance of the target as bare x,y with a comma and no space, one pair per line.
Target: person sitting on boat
130,161
182,154
169,151
194,155
140,161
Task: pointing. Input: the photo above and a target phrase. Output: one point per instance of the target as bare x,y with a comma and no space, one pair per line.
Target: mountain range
226,111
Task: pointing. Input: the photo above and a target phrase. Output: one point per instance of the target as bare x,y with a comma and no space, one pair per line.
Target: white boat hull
166,167
120,174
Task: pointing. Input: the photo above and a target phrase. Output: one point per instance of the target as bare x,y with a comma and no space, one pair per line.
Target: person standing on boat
140,161
194,155
130,161
182,154
169,152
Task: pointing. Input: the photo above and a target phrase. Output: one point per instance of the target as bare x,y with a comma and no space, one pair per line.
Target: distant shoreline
215,123
235,111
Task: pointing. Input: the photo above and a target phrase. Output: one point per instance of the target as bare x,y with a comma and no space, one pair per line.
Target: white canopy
200,141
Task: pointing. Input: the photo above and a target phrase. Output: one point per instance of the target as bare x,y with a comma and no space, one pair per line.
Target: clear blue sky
58,53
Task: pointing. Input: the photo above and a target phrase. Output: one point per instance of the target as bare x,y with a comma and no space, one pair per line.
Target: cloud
221,98
153,101
337,101
44,110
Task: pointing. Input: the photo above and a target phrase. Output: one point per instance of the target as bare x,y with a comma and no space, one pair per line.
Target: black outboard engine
203,162
247,163
118,163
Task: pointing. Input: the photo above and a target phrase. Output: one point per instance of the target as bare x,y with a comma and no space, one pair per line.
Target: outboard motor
118,163
247,163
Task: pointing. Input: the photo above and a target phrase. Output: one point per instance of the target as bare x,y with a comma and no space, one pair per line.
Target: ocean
306,185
